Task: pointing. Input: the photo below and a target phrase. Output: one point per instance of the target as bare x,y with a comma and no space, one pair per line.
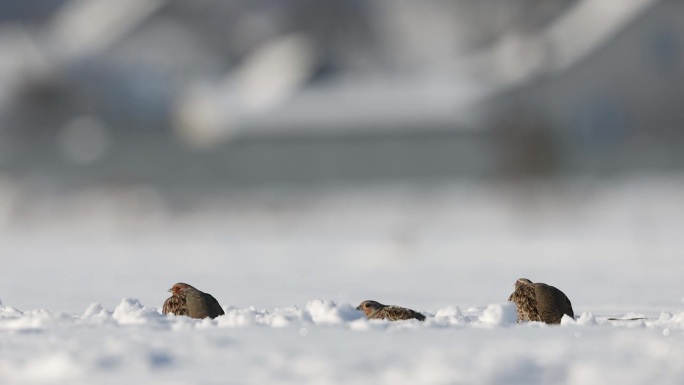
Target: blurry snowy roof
447,99
403,65
576,33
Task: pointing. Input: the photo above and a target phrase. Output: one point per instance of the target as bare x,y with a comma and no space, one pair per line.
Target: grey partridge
376,310
540,302
186,300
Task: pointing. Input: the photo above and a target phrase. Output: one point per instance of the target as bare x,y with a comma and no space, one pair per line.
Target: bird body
186,300
540,302
376,310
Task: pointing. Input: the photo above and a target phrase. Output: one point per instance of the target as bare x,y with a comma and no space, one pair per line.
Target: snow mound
449,311
9,312
669,320
317,312
282,317
586,319
131,312
678,319
235,317
96,312
499,315
447,316
328,312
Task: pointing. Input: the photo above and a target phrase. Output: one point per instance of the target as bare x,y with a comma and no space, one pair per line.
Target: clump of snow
9,312
678,319
328,312
447,316
665,316
669,320
235,317
449,311
96,312
131,312
499,314
289,315
586,319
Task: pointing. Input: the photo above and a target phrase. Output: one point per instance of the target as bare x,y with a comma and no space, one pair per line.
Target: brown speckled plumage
175,305
540,302
376,310
186,300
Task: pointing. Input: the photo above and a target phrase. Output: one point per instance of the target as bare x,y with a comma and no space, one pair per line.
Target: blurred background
272,152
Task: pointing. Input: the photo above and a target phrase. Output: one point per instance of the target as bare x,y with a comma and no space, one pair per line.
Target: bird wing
395,313
568,309
214,306
564,304
552,303
175,305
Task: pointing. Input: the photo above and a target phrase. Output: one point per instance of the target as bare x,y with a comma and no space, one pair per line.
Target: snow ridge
332,343
317,312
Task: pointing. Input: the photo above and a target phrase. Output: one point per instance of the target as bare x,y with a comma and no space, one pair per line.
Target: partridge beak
170,290
358,307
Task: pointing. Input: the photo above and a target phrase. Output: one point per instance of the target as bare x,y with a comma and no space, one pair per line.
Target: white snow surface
325,342
83,277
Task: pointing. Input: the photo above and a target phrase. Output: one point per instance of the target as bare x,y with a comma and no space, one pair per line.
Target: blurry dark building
618,108
383,95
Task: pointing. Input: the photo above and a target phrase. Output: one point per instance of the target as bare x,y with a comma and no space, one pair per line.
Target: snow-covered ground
83,276
326,343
